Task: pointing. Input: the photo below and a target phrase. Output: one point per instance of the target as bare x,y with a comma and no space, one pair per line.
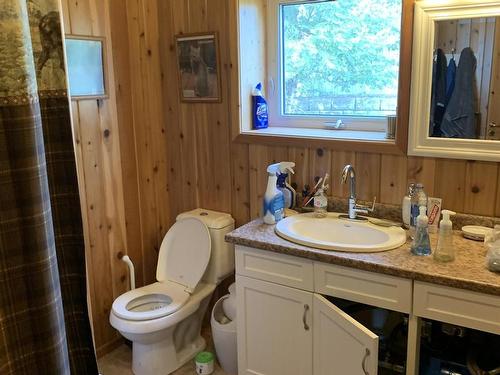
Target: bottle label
261,112
415,211
275,207
320,202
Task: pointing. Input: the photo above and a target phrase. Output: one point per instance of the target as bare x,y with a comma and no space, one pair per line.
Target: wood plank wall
101,179
174,156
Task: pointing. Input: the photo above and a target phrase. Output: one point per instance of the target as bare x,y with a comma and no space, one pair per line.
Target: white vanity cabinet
284,330
288,325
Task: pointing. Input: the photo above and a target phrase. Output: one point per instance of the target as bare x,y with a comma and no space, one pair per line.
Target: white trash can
224,336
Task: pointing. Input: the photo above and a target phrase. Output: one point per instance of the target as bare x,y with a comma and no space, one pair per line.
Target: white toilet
163,320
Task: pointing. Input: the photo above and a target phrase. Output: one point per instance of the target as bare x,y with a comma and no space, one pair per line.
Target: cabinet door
341,344
274,328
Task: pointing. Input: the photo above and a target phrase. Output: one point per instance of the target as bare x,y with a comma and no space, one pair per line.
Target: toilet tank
219,224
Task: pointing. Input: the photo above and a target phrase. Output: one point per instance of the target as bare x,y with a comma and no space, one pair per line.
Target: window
333,60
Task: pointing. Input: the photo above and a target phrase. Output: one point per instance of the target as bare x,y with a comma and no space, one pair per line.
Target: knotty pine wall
101,179
165,157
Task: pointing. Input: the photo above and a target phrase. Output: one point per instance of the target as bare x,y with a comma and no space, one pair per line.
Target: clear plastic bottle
421,244
320,204
418,199
445,251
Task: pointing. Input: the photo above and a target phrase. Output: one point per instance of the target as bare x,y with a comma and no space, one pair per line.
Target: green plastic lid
204,357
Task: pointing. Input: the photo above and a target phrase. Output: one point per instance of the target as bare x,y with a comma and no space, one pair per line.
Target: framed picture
198,65
86,67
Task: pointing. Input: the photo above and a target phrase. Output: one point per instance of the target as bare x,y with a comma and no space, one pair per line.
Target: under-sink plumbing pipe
131,270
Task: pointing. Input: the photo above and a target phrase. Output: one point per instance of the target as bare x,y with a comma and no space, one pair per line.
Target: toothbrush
307,199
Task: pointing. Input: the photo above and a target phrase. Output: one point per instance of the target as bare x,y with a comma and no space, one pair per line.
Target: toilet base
161,358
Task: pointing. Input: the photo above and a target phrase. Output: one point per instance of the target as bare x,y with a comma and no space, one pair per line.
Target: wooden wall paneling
79,15
494,108
240,183
75,122
300,156
367,176
189,167
120,92
477,43
484,85
393,178
446,35
92,162
450,183
422,170
66,16
148,121
320,162
168,26
218,119
339,160
463,36
480,188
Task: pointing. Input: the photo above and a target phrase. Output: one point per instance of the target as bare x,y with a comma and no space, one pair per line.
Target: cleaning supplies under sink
421,243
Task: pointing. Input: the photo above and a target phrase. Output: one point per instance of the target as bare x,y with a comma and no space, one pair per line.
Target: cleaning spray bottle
259,108
445,251
421,243
274,200
282,184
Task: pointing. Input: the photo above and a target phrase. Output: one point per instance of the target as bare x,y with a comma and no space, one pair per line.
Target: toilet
163,320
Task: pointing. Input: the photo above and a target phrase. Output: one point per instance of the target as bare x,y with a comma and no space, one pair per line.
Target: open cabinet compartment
451,349
352,334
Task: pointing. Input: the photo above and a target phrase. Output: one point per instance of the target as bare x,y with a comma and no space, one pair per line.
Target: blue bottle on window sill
260,115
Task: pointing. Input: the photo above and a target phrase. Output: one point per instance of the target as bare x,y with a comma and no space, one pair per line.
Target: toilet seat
151,301
182,261
184,253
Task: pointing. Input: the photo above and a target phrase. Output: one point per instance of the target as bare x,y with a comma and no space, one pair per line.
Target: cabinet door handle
304,317
363,364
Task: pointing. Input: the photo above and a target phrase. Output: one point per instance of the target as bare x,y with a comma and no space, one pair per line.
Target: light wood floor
119,361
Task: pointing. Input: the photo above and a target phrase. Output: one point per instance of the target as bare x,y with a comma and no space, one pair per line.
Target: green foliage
344,47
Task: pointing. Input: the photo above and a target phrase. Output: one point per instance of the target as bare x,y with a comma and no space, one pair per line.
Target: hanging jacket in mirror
459,119
438,93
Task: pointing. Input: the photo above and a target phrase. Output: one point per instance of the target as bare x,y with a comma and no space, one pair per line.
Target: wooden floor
119,362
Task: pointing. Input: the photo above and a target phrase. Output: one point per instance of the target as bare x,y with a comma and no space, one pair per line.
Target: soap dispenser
445,251
421,243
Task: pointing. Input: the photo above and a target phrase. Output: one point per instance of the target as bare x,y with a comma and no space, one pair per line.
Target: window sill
349,140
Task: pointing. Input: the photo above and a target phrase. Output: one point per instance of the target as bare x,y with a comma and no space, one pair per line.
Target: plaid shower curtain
44,324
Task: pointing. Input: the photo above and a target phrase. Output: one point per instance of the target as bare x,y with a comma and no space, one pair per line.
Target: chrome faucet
354,209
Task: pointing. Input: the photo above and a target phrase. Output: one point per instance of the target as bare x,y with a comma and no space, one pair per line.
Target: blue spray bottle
274,199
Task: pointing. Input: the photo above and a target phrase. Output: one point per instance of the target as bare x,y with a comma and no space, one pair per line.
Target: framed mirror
455,91
86,67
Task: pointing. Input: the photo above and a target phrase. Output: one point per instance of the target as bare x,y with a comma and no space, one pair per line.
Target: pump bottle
421,243
445,251
274,200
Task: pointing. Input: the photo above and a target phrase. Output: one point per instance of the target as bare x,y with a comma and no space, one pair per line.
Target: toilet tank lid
212,219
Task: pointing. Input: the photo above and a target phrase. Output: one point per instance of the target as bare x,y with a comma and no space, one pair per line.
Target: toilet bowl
163,319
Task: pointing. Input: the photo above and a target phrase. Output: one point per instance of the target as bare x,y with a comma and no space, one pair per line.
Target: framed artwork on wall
198,66
86,67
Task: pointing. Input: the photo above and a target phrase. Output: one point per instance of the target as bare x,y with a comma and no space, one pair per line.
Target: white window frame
275,85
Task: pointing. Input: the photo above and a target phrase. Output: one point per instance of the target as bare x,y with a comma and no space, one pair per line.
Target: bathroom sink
334,233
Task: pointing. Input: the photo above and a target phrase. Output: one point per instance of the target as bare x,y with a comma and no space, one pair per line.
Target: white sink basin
333,233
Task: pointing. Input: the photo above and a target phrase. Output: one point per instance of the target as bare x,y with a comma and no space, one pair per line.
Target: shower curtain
44,324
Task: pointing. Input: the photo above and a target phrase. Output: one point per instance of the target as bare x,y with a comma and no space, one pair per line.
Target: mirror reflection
465,77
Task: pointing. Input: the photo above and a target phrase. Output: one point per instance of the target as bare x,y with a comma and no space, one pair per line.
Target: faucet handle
365,208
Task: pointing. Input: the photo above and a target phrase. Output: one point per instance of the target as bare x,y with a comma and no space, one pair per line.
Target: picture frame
86,64
198,65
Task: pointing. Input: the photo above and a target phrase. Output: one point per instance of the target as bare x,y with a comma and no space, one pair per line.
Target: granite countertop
467,271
